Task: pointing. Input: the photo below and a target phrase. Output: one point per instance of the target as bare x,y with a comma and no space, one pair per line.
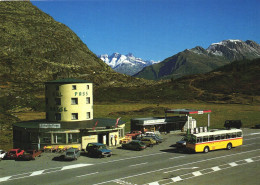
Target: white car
2,154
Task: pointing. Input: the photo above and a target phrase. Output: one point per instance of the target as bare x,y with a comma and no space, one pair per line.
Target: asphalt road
161,164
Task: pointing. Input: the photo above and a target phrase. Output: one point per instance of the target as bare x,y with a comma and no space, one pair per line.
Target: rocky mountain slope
200,60
126,64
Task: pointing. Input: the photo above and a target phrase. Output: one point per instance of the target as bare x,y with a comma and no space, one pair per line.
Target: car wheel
229,146
206,149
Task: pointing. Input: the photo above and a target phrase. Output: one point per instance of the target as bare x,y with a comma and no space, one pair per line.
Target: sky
155,29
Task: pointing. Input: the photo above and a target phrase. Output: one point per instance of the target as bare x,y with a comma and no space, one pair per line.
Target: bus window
228,136
233,135
211,138
199,139
223,136
205,138
239,134
217,137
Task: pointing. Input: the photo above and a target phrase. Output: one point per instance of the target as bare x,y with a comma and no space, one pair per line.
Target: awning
187,111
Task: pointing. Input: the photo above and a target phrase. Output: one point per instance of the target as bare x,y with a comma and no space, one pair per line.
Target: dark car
72,154
29,155
14,153
182,143
134,145
98,150
233,124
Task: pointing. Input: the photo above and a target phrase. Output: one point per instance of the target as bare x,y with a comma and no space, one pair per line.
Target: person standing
111,140
115,140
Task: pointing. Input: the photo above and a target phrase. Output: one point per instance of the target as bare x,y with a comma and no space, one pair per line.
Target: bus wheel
229,146
206,149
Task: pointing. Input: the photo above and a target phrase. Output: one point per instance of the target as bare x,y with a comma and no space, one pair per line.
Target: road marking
181,169
233,164
209,170
249,160
5,178
176,179
255,133
37,173
154,183
88,174
197,173
138,164
179,166
251,138
75,166
177,157
216,168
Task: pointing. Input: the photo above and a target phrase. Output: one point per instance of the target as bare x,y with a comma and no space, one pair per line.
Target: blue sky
155,29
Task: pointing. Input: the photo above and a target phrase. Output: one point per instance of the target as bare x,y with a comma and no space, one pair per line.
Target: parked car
134,145
72,154
29,155
134,133
148,141
156,138
233,124
2,154
14,153
182,143
98,150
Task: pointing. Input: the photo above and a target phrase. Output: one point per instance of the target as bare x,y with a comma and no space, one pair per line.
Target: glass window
239,134
45,138
205,138
74,116
217,137
211,138
73,138
74,87
88,100
199,139
59,138
74,101
87,86
228,136
88,115
58,101
233,135
223,136
58,116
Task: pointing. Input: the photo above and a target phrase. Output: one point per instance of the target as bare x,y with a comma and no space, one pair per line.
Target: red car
14,153
29,155
134,134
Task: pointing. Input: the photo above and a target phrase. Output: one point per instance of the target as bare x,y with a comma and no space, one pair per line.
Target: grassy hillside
181,64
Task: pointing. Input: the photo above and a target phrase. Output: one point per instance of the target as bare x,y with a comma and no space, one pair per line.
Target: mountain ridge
125,64
199,60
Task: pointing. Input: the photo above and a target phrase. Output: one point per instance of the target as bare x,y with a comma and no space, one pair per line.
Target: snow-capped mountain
199,60
231,49
126,64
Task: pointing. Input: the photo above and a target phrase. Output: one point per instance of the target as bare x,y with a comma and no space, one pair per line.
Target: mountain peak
126,64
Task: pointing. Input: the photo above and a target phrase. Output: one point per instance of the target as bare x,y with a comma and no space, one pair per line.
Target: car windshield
70,153
102,147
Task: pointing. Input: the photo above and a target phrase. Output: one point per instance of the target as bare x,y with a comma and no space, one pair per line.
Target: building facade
69,120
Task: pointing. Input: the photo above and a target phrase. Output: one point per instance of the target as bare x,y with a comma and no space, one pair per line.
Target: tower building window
74,87
74,101
74,116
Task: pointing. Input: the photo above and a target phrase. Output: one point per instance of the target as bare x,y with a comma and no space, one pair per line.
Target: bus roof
217,132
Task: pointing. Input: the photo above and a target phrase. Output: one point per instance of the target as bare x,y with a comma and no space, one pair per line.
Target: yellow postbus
214,140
